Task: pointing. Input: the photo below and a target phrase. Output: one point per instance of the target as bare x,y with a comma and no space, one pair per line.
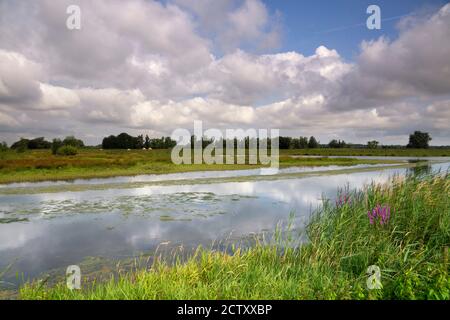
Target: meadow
39,165
403,227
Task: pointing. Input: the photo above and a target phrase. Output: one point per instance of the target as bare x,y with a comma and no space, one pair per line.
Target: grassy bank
432,152
410,247
40,165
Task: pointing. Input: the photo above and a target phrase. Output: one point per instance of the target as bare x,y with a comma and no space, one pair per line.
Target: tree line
126,141
418,140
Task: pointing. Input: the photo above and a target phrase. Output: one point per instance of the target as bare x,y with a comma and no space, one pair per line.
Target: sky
150,67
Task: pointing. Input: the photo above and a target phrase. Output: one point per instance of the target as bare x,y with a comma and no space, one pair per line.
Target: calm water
40,232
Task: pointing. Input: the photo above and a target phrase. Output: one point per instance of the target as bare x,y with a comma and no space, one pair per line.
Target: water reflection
178,176
45,231
422,170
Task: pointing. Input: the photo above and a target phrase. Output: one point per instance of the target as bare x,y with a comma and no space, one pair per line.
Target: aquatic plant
379,214
343,199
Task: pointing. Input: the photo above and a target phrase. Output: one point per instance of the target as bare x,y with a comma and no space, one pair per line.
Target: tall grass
410,248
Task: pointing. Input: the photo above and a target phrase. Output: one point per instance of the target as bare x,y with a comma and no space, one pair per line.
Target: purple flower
343,199
379,214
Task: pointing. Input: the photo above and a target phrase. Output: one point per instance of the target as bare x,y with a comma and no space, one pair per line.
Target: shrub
21,149
72,141
56,144
67,151
3,146
21,144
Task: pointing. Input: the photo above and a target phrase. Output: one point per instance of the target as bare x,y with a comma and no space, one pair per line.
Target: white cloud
418,59
232,24
58,97
144,65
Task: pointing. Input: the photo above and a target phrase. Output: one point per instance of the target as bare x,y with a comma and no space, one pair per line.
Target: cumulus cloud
233,24
18,79
418,59
148,66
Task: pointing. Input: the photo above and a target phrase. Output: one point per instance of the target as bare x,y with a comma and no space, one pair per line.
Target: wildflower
343,199
379,214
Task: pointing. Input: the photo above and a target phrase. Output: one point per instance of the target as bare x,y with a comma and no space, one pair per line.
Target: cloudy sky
305,67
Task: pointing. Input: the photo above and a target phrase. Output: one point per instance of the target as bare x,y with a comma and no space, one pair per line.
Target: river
53,226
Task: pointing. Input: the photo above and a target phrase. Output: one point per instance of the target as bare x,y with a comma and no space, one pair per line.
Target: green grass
411,250
40,165
397,152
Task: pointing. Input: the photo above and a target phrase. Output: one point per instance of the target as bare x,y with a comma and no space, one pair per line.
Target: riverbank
409,245
41,165
388,152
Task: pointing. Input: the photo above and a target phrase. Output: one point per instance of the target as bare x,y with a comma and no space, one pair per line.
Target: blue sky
307,24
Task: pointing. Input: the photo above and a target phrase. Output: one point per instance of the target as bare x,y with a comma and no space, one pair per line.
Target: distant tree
333,143
419,140
109,142
284,142
67,150
3,146
56,144
72,141
337,144
139,143
312,143
372,144
21,144
125,141
303,142
39,143
299,143
169,143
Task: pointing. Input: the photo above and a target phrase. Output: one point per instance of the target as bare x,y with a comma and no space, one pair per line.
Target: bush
72,141
3,146
21,149
67,151
56,144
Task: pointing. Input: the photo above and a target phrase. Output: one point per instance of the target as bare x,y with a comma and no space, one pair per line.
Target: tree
139,142
284,142
3,146
125,141
169,143
21,144
303,142
372,144
337,144
39,143
72,141
300,143
312,143
419,140
56,144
